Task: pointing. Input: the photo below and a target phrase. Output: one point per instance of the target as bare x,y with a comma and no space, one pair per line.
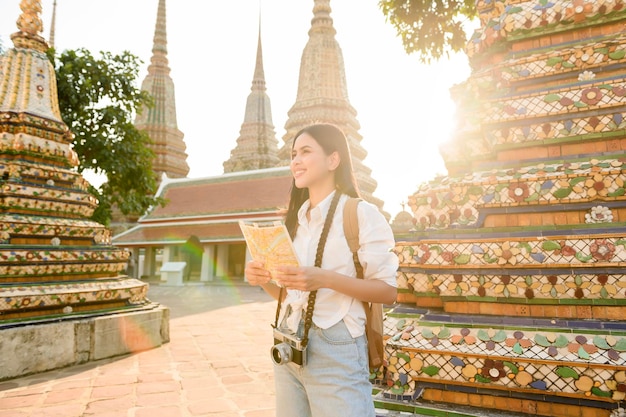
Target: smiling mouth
298,173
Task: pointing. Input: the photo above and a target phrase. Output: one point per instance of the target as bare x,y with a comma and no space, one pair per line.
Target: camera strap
308,315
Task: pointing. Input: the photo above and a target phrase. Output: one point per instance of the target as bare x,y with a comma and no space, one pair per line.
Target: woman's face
310,166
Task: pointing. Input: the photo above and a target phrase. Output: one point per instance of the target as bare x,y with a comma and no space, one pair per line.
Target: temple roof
209,208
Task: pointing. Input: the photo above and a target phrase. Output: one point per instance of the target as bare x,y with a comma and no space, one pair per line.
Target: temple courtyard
216,364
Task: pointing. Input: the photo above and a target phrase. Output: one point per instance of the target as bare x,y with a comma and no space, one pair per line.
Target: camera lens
281,353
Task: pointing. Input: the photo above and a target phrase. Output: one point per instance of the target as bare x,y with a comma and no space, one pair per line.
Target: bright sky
403,107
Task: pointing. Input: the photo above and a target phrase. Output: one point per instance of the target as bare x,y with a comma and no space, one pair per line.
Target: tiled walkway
216,364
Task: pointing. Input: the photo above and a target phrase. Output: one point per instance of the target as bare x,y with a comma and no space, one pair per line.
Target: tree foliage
430,28
98,99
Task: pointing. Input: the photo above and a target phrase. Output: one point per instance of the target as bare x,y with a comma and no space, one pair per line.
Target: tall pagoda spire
257,146
53,24
323,96
159,121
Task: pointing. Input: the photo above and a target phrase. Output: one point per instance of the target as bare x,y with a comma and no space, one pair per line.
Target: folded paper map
269,243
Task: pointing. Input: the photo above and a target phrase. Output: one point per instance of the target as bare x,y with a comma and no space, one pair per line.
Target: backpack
373,311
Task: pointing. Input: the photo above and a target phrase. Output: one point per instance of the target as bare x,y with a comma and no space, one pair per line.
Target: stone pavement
216,364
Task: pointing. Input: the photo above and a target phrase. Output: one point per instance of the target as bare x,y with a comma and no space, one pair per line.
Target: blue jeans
333,383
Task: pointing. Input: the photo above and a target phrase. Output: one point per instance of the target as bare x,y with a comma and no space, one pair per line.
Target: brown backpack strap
351,230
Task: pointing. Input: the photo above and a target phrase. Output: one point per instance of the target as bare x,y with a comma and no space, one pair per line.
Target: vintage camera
288,348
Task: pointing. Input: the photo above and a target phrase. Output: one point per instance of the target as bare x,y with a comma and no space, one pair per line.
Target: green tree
430,28
98,99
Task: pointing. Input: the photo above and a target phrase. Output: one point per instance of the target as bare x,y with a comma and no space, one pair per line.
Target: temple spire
29,27
159,121
323,96
53,24
257,145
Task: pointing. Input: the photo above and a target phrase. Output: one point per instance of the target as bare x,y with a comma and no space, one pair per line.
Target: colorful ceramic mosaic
36,146
505,21
602,93
514,264
79,293
575,129
517,288
51,254
46,262
40,96
535,360
566,251
20,225
610,51
452,201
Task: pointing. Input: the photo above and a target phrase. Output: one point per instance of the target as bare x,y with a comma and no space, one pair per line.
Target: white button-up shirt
375,254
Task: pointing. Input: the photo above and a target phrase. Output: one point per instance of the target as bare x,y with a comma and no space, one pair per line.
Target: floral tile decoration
54,261
511,279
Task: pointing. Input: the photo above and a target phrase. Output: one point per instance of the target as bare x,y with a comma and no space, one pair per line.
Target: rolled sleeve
376,245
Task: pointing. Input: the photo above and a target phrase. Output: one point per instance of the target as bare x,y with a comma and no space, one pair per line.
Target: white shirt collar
318,212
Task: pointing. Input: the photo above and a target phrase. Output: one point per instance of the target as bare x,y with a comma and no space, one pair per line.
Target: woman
334,380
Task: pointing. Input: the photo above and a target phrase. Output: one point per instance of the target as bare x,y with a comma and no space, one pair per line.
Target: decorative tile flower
581,9
602,250
435,334
518,342
507,254
581,348
586,76
491,337
603,288
493,370
598,185
458,285
591,96
599,214
553,288
518,191
552,342
463,338
506,287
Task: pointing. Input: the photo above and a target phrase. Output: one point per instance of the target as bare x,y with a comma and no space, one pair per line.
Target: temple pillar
133,264
207,272
167,254
149,262
221,264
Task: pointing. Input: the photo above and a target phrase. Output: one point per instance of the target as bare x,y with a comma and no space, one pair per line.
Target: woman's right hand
256,274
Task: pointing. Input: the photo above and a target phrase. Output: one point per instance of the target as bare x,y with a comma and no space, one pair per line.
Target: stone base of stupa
38,346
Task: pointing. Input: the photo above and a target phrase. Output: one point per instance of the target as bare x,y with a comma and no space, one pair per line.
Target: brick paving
216,364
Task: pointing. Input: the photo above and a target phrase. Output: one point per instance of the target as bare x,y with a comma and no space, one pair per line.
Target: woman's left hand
307,278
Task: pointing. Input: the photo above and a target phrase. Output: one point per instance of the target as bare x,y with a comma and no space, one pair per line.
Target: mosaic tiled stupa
54,261
513,282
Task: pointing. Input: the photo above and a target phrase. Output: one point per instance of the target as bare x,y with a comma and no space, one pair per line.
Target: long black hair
331,139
